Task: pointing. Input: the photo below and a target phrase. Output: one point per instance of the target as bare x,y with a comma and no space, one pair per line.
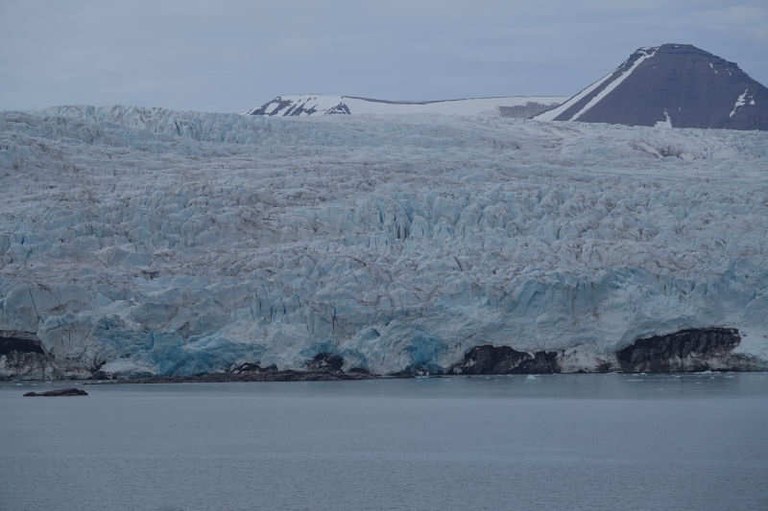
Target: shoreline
311,376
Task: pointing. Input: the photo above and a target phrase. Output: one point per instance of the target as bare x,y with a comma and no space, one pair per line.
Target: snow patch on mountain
555,113
581,103
302,105
744,99
664,123
305,105
642,55
140,240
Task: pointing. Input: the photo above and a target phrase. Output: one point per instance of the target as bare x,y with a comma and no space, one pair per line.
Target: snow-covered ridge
555,113
590,96
624,72
176,242
309,104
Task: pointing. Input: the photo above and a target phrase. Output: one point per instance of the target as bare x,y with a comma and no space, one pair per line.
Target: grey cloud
229,55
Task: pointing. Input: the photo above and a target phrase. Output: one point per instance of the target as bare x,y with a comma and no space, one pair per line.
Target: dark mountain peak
678,48
676,85
691,53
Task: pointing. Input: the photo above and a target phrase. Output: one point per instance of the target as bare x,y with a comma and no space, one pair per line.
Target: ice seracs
147,241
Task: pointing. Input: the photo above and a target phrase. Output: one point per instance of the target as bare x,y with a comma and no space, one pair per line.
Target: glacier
148,241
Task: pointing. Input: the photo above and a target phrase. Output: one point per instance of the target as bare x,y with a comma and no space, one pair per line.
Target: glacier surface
140,240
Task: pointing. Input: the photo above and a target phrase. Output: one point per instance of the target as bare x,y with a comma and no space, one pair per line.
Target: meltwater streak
629,442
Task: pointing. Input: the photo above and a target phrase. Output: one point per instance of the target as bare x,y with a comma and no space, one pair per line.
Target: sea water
570,442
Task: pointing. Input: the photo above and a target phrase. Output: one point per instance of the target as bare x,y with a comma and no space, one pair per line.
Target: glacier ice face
149,241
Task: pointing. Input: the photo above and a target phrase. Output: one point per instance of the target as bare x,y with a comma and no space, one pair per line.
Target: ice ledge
688,350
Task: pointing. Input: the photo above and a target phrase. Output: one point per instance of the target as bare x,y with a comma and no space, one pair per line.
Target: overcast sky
232,55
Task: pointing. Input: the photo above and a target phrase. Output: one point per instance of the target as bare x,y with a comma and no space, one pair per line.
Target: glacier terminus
139,241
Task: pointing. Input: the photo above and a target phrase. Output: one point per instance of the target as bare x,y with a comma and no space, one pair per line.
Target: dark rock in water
489,359
697,349
326,362
58,393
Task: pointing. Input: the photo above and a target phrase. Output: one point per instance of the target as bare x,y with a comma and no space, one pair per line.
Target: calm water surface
569,442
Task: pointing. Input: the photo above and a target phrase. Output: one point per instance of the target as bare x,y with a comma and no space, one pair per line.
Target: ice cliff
150,241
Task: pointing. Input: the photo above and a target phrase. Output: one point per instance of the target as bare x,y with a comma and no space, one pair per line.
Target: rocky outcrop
253,368
696,349
488,359
300,106
322,367
315,105
58,393
326,362
19,342
23,356
690,350
278,106
523,111
263,375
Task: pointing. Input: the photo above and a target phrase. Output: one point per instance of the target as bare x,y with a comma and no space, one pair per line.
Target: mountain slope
676,85
304,105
